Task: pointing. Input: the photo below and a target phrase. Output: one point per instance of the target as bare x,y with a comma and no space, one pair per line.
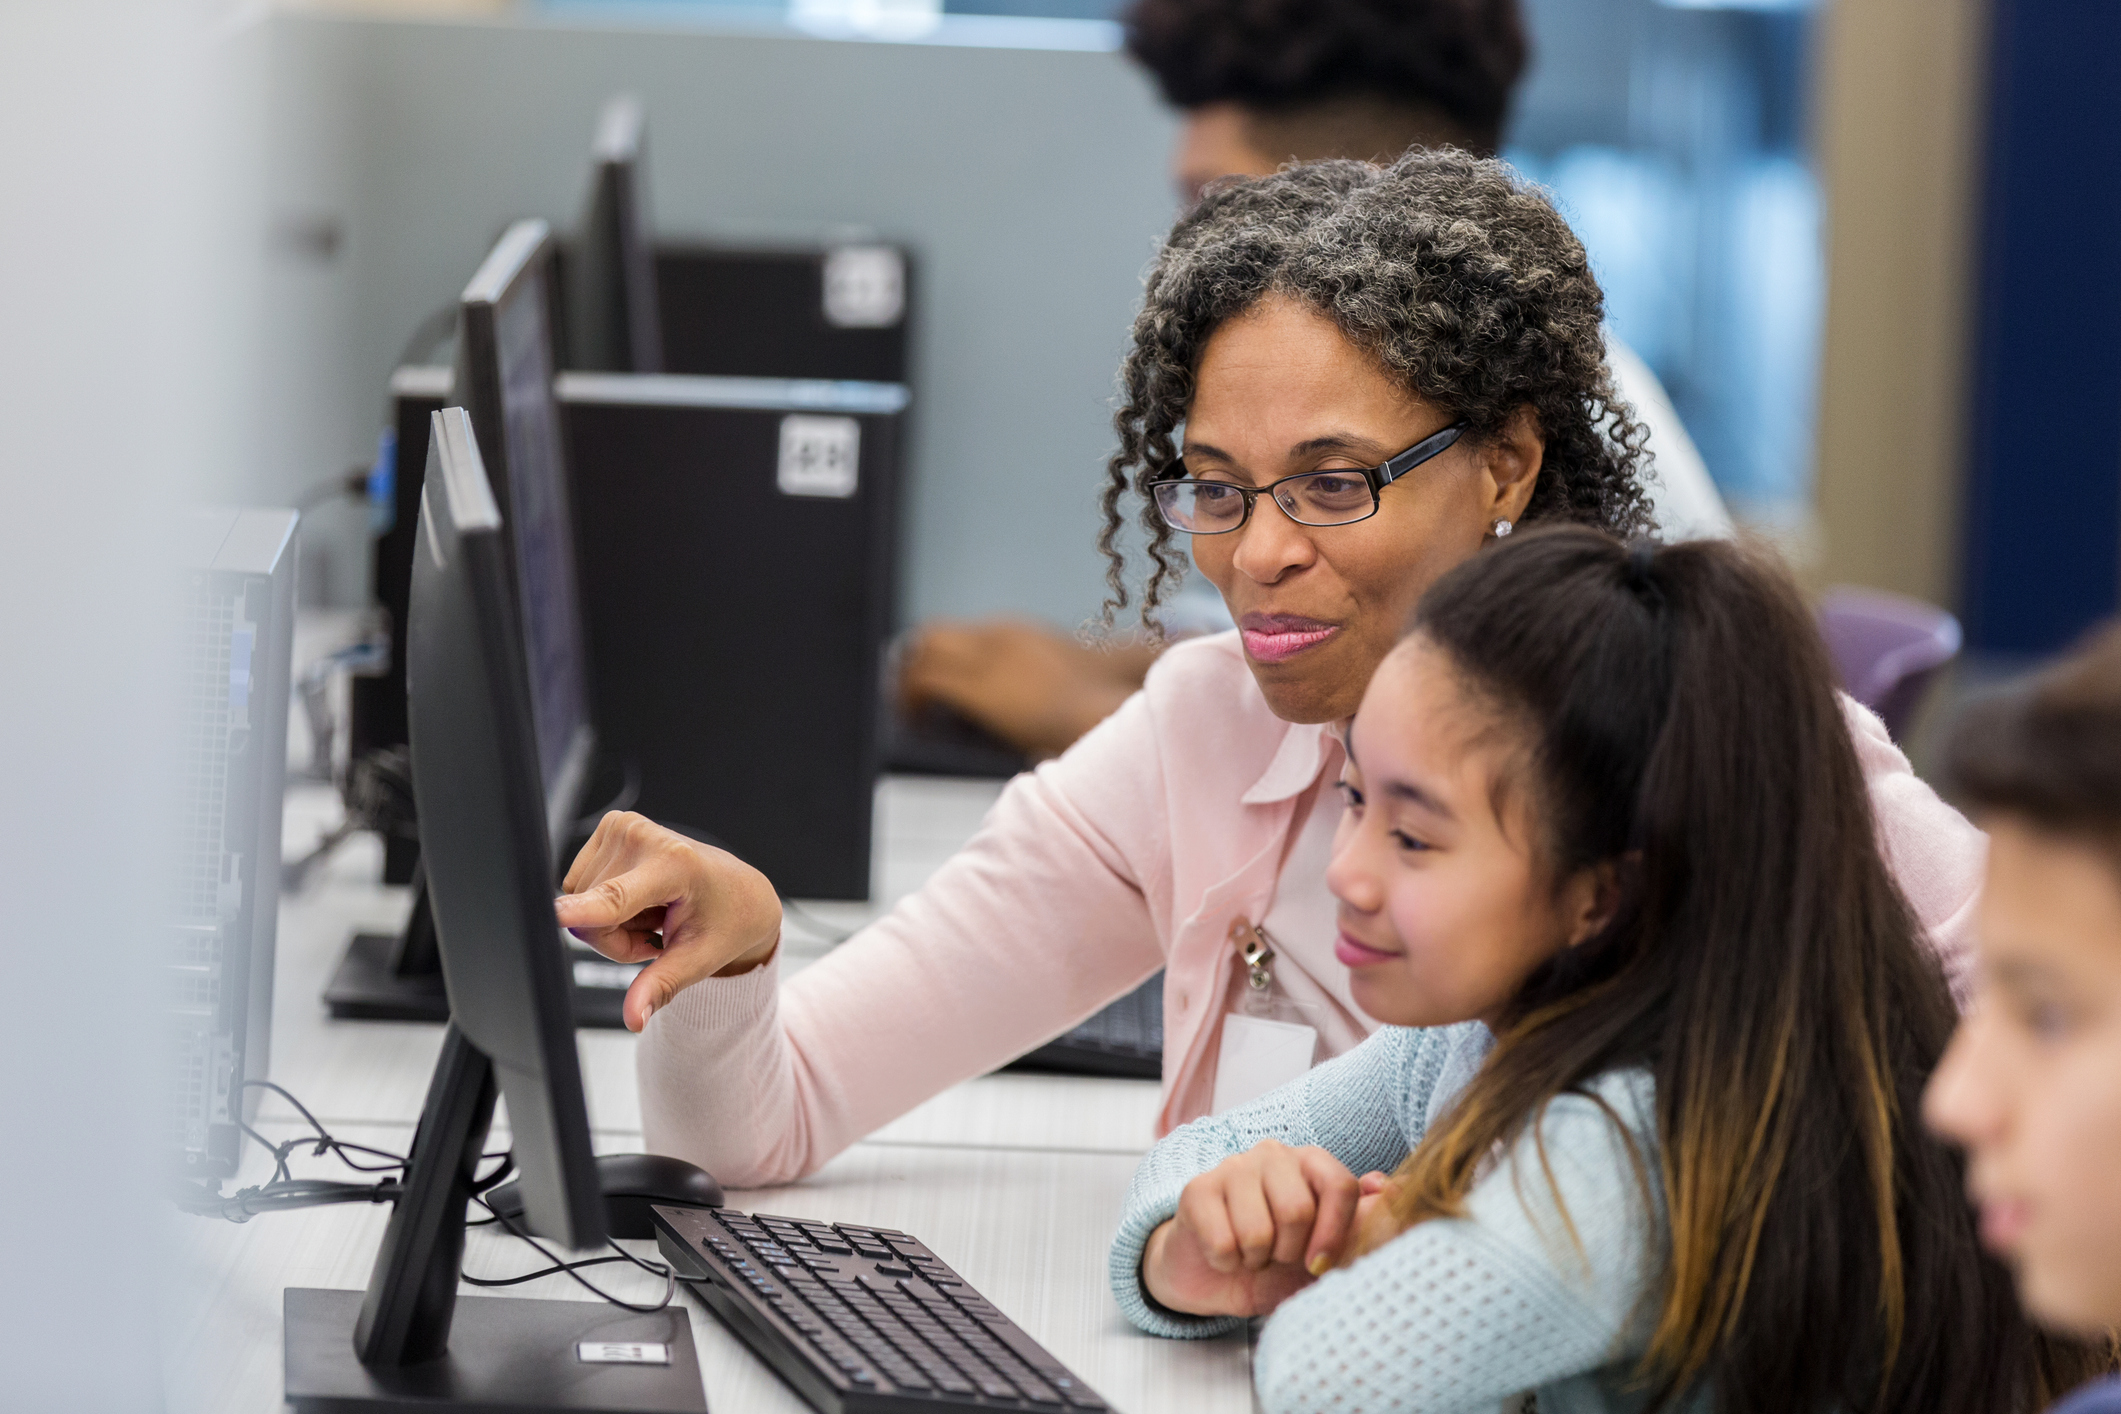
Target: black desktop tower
238,609
785,312
737,544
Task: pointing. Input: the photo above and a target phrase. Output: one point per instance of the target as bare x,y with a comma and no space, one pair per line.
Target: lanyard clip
1257,949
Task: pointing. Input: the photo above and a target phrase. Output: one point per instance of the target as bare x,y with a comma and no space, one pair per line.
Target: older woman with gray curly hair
1344,380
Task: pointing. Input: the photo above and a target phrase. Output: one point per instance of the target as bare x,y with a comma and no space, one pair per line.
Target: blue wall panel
2042,556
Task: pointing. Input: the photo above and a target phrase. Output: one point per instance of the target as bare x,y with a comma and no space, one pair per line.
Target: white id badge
1258,1055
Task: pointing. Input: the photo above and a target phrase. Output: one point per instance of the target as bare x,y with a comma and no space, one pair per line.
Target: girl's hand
1374,1224
1252,1231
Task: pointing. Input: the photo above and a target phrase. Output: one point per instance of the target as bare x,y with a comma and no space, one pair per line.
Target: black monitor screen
508,328
613,323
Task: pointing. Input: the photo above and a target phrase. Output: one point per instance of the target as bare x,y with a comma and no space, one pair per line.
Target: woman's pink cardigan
1133,851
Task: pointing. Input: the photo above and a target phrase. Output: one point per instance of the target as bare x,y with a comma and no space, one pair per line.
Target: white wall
1031,185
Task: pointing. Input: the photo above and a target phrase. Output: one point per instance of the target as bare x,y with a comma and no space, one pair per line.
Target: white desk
1015,1180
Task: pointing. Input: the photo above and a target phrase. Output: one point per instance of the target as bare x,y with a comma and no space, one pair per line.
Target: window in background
1674,137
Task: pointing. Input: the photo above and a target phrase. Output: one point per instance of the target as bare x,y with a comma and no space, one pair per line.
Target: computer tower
737,544
376,708
238,586
828,311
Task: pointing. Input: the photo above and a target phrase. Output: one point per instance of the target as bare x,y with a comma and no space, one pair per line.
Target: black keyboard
860,1318
1126,1038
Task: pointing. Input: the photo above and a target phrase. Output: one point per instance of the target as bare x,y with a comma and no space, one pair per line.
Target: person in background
1261,83
1657,1026
1345,380
2032,1083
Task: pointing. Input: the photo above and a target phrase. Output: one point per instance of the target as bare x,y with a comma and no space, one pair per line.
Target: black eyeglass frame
1378,478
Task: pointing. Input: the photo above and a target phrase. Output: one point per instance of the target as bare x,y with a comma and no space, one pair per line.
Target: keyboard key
1072,1390
1037,1390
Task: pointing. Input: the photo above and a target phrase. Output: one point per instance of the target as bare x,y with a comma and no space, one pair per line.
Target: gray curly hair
1454,273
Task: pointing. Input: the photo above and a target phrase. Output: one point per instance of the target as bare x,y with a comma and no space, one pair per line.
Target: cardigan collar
1305,750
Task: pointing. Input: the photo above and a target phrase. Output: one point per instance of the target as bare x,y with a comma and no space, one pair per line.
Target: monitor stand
410,1342
398,977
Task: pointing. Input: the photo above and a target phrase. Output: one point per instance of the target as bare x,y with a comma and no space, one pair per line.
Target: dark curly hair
1459,57
1455,274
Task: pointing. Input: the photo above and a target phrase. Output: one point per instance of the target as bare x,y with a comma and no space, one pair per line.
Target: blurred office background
1785,201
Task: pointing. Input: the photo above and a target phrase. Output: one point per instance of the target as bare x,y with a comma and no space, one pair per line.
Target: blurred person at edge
2031,1084
1260,85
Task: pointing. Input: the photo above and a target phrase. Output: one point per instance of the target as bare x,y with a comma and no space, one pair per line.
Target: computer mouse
632,1184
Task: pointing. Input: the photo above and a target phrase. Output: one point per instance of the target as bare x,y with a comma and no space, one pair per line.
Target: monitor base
507,1355
366,987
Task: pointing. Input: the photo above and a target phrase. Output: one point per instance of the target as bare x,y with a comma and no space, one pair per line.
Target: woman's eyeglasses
1337,497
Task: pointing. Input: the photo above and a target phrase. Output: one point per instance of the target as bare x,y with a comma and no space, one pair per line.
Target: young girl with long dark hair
1658,1025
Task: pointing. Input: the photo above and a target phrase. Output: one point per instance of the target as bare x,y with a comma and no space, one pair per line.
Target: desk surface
1015,1180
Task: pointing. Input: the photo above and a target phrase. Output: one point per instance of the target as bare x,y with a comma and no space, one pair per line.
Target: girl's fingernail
647,1010
1317,1265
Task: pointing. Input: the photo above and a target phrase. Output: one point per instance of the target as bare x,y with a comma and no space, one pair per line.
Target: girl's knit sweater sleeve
1352,1106
1523,1293
1455,1313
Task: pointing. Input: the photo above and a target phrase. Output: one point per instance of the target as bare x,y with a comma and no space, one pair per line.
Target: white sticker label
1259,1055
865,287
819,455
608,1352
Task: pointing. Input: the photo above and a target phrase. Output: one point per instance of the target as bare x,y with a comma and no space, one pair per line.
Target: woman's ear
1512,462
1593,897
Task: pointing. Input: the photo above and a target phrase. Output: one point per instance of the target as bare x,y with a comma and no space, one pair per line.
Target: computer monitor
504,376
409,1341
613,324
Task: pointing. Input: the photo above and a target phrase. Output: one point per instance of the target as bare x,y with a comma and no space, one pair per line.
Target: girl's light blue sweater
1475,1313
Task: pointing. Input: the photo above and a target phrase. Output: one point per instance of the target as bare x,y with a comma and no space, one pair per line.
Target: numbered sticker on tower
865,287
819,455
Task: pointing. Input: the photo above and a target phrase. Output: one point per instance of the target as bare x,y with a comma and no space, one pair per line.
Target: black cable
247,1203
559,1267
323,1140
542,1271
284,1192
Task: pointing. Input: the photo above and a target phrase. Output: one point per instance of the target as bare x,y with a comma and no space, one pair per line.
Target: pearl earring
1503,528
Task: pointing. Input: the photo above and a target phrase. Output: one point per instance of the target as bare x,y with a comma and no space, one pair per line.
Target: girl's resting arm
1044,917
1351,1106
1463,1313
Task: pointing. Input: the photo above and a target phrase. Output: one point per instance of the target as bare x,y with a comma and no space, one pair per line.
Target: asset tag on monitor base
1257,1056
613,1352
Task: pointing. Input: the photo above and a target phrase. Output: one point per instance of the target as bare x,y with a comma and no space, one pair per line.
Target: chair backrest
1886,648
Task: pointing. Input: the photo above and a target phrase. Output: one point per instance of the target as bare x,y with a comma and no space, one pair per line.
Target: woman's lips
1354,954
1273,638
